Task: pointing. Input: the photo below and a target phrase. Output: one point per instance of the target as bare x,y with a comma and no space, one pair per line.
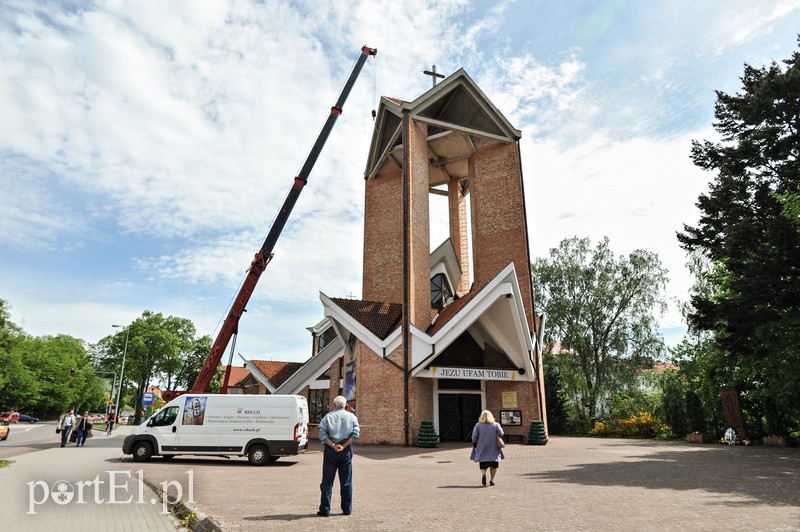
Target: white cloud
638,192
536,95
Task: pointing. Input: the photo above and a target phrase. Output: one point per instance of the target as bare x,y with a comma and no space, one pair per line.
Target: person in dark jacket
485,449
110,418
83,428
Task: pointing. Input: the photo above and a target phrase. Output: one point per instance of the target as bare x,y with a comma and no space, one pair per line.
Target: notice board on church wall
511,417
510,400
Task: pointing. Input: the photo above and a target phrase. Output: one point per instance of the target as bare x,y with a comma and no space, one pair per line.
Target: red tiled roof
277,372
237,373
380,318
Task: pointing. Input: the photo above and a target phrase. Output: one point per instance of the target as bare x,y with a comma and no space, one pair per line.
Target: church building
438,335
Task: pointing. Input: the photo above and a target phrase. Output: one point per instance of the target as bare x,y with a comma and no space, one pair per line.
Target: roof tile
380,318
275,371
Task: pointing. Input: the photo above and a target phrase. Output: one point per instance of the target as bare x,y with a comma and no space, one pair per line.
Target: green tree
18,387
35,372
747,232
791,207
10,334
154,343
181,371
673,388
703,370
62,376
557,416
601,311
632,401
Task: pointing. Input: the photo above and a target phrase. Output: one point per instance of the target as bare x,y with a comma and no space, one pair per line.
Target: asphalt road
30,437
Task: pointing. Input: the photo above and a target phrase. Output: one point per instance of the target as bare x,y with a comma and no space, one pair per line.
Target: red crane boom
264,255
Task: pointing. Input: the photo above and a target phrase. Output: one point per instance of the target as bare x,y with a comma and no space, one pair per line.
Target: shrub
643,425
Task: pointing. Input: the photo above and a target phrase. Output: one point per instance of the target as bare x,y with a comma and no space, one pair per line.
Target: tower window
441,294
328,336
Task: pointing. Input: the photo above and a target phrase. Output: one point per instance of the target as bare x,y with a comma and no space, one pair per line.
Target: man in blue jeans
337,431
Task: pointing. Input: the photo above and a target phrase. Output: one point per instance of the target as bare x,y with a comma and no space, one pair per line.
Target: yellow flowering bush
643,425
599,429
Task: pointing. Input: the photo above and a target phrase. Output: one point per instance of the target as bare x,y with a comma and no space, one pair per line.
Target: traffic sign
148,398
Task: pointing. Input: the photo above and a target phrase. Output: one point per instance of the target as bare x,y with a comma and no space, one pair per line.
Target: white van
263,427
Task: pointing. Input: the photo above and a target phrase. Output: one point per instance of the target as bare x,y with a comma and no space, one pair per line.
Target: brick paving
569,484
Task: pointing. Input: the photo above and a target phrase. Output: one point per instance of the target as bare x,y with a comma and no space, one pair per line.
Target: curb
186,517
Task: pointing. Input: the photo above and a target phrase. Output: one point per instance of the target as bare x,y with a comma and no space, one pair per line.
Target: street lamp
121,371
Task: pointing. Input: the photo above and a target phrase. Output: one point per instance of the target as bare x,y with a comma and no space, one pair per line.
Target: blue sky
147,146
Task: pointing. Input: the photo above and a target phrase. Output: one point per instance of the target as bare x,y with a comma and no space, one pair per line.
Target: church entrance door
458,414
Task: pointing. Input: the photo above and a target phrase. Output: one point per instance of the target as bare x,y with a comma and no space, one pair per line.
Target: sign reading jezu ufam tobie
474,373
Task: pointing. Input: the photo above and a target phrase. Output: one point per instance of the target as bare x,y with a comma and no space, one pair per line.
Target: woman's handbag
500,442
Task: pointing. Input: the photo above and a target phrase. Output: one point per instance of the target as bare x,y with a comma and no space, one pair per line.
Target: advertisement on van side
197,412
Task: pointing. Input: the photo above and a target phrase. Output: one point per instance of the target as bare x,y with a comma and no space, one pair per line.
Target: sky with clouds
145,147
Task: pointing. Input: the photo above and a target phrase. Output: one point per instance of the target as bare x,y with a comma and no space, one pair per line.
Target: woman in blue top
484,440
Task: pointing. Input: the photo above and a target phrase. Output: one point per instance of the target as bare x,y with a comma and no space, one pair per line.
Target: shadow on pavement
210,461
763,475
389,452
282,517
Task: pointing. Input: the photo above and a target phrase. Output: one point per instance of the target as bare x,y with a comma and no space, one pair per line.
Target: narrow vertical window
441,295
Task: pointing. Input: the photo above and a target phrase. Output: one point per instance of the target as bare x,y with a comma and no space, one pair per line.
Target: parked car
11,417
25,418
4,430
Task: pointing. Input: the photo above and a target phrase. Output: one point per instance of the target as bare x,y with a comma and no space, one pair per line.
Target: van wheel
258,455
142,451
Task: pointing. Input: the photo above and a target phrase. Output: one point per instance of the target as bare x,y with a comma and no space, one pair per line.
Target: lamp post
121,371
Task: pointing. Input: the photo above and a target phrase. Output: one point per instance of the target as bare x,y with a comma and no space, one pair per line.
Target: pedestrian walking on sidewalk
486,450
84,428
110,422
337,432
65,424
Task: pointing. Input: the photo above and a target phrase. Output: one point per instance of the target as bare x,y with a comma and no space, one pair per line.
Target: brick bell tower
439,335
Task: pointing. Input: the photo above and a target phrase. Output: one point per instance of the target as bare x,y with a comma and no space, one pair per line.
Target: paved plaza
569,484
